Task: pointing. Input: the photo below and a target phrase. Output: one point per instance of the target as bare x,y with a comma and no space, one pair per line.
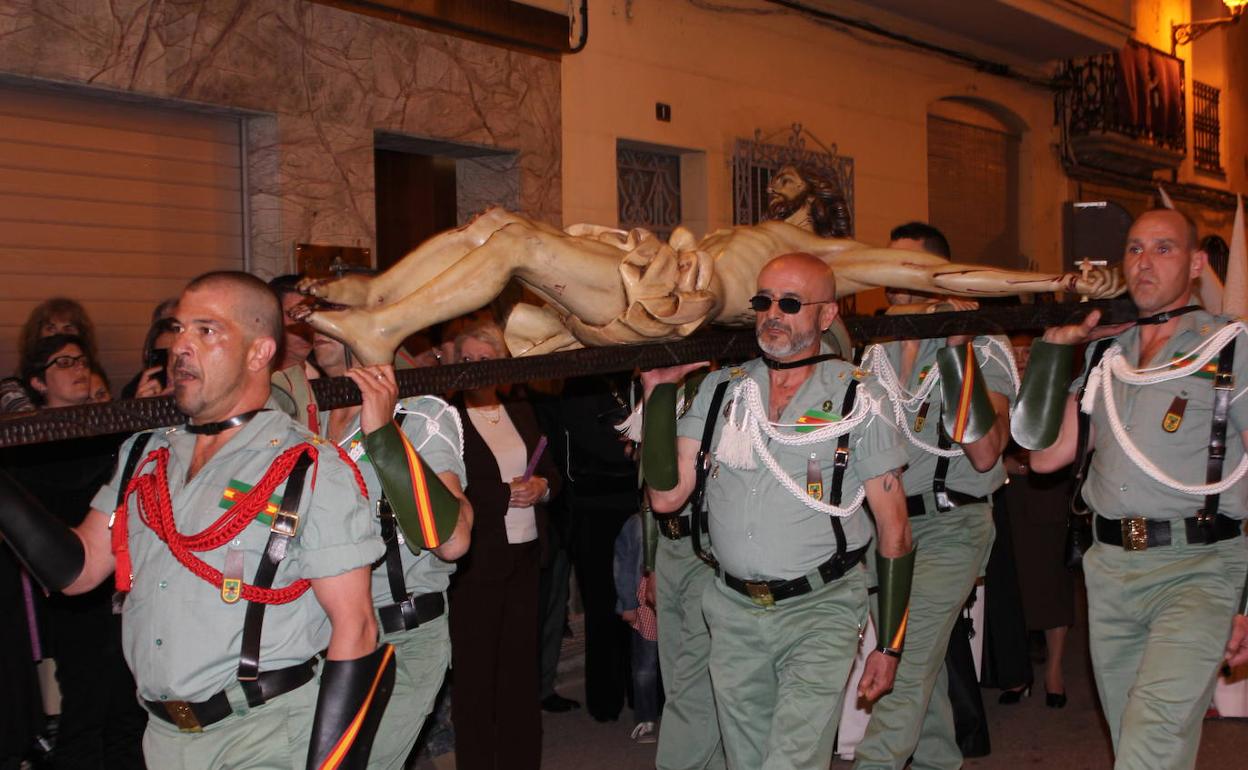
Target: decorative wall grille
649,189
1206,127
756,160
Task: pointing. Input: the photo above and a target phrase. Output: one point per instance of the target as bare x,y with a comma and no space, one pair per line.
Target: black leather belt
193,717
765,593
411,613
1139,534
915,506
674,527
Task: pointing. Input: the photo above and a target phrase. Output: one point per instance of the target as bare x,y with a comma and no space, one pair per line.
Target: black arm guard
1041,405
658,438
895,576
51,551
353,696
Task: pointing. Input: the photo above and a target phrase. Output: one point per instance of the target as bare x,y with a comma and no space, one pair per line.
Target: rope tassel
736,448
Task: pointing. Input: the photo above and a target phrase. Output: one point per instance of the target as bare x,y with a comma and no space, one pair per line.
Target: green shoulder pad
425,509
1041,403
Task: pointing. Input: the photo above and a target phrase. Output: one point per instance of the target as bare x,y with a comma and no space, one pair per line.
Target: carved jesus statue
604,286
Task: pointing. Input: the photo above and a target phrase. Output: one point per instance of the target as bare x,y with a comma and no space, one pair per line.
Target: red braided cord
359,477
156,511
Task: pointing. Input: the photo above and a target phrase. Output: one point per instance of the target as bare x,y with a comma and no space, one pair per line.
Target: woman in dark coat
494,593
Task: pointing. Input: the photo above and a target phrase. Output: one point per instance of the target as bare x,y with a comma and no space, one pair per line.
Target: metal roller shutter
113,204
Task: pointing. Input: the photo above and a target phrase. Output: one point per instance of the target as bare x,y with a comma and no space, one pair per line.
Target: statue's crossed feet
354,327
349,290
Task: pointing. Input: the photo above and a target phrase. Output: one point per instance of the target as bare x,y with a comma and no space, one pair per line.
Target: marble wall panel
313,83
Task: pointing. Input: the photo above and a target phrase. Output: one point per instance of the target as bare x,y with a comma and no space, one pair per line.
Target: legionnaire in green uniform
952,400
689,732
1165,577
949,485
224,526
789,602
409,585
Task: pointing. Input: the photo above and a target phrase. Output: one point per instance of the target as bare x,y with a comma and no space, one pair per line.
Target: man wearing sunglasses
784,486
949,504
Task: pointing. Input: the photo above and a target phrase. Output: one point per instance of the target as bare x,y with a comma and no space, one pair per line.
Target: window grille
649,189
1206,127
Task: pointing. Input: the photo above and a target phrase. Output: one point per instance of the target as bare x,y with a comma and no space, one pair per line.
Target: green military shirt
962,476
433,427
758,528
181,639
1116,488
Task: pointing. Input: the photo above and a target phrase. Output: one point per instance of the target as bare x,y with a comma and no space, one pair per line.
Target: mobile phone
158,357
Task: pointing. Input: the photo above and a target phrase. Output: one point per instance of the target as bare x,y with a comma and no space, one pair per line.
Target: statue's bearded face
786,192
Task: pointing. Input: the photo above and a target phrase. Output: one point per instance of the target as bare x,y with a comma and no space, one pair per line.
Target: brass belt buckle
671,527
760,594
182,715
1135,534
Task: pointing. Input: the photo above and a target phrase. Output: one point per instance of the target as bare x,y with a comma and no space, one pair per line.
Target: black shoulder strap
939,490
284,528
840,461
132,462
1223,384
698,516
1083,458
392,558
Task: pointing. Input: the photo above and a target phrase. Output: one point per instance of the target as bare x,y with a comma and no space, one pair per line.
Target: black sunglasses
760,303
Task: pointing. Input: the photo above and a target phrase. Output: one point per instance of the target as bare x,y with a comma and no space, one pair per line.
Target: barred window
1206,127
649,189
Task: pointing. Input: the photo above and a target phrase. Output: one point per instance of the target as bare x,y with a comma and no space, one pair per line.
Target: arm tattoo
890,477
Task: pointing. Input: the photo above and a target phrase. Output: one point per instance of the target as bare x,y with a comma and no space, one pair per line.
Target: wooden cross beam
714,344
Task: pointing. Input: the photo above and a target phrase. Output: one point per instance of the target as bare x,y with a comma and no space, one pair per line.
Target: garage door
115,205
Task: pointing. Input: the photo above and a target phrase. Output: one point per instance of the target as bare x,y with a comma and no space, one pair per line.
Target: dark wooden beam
502,23
724,345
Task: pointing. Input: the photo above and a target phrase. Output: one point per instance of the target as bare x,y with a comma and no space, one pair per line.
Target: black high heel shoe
1012,697
1055,700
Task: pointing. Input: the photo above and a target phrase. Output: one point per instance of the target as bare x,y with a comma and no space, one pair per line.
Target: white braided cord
756,424
904,401
432,428
1115,365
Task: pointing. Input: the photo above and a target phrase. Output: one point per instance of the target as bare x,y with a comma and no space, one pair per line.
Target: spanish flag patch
236,489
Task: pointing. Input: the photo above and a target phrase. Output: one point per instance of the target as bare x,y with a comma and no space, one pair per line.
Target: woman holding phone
494,607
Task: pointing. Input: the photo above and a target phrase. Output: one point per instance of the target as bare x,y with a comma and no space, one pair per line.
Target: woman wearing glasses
101,724
57,371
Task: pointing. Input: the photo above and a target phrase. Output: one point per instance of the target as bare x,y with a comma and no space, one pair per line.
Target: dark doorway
416,199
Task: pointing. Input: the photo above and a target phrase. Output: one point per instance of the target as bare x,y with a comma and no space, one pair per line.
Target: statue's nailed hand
1100,282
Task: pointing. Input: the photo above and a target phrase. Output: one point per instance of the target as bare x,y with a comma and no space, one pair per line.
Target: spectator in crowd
1039,504
293,375
494,612
101,724
297,345
634,609
153,378
101,390
601,493
54,316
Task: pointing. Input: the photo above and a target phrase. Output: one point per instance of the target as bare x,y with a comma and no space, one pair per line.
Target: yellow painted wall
727,74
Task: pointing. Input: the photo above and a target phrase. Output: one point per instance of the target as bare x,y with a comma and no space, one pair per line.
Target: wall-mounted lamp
1182,34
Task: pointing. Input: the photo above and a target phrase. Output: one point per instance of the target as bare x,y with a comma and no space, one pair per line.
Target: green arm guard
1037,417
968,413
895,576
649,537
426,510
658,438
